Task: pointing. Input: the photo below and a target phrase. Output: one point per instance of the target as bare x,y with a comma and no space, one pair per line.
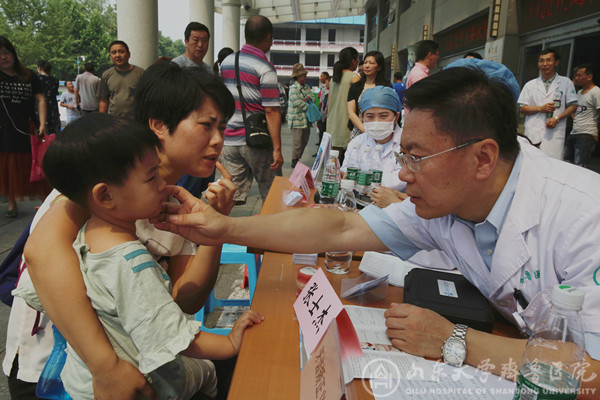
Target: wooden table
274,202
268,365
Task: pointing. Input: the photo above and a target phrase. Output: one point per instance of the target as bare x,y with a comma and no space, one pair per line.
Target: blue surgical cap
492,70
380,96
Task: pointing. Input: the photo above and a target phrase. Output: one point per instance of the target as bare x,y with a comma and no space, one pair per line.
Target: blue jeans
579,149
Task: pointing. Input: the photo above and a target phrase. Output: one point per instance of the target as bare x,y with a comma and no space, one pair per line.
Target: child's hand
220,193
247,319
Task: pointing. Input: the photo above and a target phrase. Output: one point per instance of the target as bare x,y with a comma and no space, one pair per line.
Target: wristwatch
454,350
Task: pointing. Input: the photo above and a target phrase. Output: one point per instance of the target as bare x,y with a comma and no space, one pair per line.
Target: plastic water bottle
331,178
352,170
345,200
49,385
338,262
377,166
365,174
557,101
551,366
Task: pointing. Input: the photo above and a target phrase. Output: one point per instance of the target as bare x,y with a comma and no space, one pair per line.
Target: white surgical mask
379,130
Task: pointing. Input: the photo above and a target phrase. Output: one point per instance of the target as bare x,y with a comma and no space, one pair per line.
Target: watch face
454,352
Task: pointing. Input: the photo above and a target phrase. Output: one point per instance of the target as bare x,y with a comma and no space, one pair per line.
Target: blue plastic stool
231,254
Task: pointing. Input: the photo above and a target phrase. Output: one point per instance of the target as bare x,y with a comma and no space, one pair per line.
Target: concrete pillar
137,25
231,24
203,11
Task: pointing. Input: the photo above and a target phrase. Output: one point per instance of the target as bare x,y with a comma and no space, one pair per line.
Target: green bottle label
377,176
364,178
330,189
551,383
352,173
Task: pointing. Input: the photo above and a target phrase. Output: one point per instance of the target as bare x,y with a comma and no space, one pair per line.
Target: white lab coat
390,166
550,236
534,94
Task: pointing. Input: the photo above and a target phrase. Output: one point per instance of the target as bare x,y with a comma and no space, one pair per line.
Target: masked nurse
381,114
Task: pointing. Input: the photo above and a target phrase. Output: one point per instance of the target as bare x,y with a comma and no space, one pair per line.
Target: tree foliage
64,31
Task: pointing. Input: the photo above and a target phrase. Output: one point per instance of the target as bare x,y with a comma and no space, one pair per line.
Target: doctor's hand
552,122
193,219
417,330
547,108
383,196
220,193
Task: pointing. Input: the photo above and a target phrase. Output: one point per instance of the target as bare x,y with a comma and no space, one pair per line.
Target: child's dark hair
96,148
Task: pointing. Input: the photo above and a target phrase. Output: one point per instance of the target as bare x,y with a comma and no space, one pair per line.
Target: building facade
508,31
315,44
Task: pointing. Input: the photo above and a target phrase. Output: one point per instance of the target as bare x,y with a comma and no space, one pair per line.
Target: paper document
465,383
379,265
380,358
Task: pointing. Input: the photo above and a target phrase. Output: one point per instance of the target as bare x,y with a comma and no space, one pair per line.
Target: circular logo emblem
386,377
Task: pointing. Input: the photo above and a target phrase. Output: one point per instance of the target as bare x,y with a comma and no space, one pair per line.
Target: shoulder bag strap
239,85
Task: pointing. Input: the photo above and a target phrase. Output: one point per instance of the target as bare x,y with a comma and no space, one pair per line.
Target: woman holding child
187,111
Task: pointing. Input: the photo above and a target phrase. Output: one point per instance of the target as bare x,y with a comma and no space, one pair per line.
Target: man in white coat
546,102
508,216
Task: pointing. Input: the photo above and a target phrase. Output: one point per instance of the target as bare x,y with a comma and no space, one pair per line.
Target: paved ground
11,229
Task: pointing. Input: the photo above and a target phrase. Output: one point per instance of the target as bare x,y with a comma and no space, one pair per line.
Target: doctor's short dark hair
467,105
169,93
96,148
549,50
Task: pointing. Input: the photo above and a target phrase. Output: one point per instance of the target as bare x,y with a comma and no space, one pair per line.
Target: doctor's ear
487,153
102,197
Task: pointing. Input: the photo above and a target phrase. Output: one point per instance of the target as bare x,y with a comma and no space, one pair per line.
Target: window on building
388,13
330,60
313,37
371,23
312,59
362,36
288,59
405,4
331,37
281,34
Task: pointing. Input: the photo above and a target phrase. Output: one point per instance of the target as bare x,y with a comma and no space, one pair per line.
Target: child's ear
159,128
101,196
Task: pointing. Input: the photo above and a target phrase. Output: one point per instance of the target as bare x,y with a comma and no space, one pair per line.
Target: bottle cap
347,184
567,297
334,153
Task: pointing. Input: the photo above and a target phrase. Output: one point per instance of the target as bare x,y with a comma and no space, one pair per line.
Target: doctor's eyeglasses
413,163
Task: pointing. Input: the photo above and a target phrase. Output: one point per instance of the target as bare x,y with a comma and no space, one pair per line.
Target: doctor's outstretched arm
305,230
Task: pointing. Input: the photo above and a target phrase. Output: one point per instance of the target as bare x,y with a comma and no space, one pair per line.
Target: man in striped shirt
259,88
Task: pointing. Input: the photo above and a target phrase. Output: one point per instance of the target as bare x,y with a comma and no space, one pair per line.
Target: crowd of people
457,179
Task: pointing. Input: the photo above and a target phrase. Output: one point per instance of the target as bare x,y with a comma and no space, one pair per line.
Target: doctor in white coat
509,217
546,102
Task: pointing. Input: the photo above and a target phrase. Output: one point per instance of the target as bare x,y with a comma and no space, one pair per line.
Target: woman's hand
382,196
220,193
